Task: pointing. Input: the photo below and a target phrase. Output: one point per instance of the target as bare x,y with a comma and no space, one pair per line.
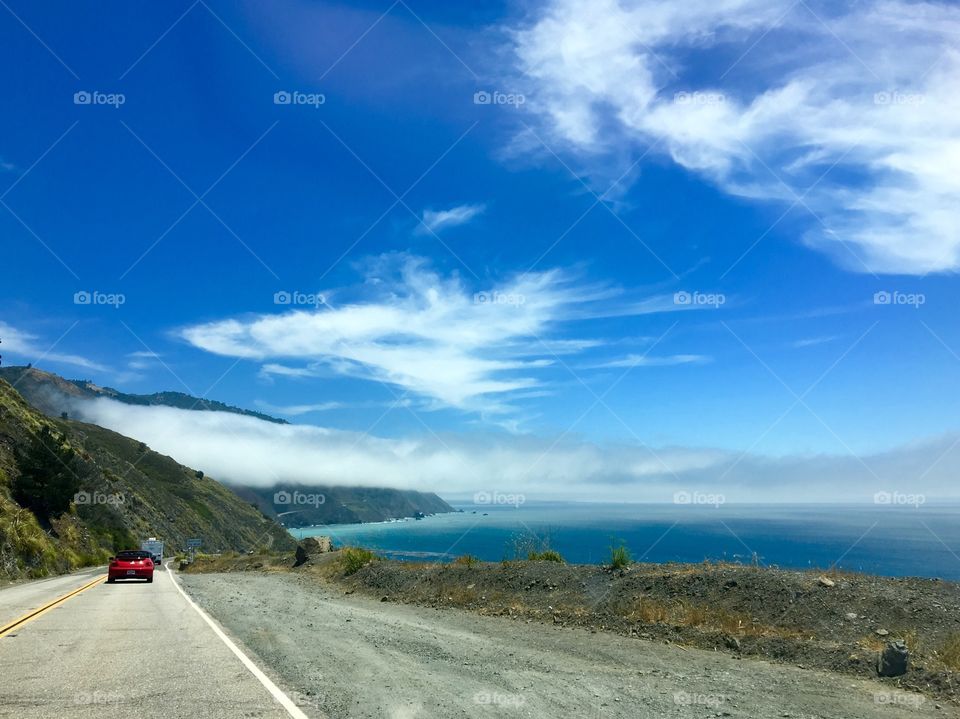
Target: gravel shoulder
353,656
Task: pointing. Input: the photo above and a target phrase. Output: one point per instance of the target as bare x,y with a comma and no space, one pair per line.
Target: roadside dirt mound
838,622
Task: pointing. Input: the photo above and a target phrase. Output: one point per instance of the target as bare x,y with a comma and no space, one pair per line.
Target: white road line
286,702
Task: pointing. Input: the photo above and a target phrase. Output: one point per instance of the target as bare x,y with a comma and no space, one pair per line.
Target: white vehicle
155,547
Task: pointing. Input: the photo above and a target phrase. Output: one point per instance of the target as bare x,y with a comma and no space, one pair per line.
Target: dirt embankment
839,622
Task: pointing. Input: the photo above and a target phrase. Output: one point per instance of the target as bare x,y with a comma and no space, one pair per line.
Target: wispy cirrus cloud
639,360
431,335
847,113
437,220
28,347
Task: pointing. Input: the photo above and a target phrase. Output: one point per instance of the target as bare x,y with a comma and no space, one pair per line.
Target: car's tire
110,580
149,580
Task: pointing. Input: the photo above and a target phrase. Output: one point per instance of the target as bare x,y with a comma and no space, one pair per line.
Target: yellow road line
5,629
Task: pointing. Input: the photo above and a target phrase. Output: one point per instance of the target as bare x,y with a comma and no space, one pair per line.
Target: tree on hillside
49,476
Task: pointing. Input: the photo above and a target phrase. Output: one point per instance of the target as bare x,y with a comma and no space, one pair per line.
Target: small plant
353,559
530,545
547,555
619,557
467,560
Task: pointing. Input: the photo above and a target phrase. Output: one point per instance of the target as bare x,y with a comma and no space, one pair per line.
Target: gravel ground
351,656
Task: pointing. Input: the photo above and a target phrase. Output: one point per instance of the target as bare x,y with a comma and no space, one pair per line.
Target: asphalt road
122,650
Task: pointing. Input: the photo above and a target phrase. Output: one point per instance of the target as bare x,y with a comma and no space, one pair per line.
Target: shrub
353,559
467,560
619,557
548,555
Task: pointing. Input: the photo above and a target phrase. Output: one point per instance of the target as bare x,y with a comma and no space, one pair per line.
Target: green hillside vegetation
72,494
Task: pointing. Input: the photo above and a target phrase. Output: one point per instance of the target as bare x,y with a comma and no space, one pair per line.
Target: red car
131,564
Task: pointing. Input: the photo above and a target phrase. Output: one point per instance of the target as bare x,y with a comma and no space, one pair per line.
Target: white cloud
246,450
436,220
27,346
858,103
429,334
295,410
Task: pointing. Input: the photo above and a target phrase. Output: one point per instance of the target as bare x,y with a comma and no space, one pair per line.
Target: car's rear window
133,555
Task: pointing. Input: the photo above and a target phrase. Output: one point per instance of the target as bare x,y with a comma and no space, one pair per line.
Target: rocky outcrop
893,660
311,546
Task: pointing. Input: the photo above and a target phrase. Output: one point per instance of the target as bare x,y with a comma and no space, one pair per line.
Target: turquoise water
886,540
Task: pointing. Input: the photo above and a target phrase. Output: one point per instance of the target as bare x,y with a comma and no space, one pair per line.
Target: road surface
120,650
148,650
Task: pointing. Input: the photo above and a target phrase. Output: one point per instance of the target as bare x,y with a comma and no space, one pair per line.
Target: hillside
123,493
47,392
51,394
340,505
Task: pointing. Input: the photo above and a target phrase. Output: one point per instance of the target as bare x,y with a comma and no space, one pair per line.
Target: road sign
194,543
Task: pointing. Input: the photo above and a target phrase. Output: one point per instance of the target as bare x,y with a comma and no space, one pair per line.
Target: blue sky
668,226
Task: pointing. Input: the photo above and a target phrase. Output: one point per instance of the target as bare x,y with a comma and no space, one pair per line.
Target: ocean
887,540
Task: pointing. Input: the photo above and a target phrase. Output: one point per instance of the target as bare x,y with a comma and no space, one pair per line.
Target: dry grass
949,652
651,611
